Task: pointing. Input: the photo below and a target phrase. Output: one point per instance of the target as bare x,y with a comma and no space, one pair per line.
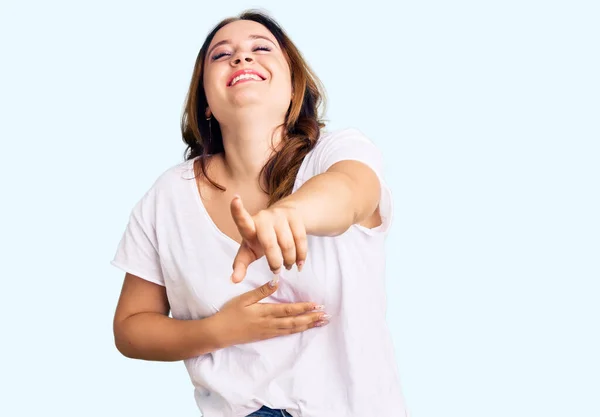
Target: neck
248,146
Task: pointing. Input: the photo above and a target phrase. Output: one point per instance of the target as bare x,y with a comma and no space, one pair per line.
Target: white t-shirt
344,369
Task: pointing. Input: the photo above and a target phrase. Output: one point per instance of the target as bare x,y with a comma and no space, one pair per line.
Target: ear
208,113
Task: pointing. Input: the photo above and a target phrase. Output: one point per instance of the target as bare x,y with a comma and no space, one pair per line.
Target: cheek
210,80
206,84
285,80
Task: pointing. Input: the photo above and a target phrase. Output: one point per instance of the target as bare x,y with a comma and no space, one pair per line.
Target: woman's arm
328,204
143,330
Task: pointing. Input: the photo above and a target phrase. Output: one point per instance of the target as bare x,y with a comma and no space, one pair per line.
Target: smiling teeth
245,77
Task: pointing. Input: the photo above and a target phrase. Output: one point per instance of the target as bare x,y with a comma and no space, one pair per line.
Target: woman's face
246,69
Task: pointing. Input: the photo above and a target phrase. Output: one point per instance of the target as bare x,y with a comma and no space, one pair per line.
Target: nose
242,56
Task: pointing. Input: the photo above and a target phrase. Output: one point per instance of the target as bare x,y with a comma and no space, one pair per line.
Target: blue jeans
265,411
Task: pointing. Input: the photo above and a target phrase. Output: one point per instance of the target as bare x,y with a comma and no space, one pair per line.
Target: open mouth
244,76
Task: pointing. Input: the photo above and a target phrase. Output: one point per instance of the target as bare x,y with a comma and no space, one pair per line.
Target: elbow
124,348
358,203
364,204
123,342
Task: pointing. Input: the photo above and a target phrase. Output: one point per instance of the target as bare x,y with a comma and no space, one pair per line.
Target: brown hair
301,128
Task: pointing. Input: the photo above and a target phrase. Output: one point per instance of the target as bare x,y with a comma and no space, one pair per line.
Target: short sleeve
351,144
137,252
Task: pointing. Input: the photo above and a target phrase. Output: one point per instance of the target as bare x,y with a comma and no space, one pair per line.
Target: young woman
266,245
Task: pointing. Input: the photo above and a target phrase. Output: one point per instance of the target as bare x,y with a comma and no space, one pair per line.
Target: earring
209,129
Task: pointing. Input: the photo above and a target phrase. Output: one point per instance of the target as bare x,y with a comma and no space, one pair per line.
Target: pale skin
326,205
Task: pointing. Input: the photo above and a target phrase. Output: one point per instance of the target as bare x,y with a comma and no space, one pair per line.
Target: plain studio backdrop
488,116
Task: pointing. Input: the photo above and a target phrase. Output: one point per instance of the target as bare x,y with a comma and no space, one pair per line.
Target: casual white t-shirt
344,369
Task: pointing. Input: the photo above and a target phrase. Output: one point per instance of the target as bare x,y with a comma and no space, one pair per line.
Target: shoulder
343,144
340,136
173,176
169,183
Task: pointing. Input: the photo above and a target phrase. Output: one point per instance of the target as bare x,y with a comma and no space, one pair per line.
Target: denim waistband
265,411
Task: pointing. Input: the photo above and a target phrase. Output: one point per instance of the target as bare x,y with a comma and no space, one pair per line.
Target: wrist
210,334
221,334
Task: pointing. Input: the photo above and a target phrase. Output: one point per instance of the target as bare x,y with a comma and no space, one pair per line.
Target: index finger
242,218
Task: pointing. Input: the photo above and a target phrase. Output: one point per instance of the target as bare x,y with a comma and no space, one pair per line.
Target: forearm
156,337
330,203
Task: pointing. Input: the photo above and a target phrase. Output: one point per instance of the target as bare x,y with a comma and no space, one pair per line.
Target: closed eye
222,54
262,48
217,56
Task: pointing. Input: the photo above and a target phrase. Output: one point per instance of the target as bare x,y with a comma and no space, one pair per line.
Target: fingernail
231,278
274,281
319,307
300,265
325,316
236,196
277,271
288,267
321,323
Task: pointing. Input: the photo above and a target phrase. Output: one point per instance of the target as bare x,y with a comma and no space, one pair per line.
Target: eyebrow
227,41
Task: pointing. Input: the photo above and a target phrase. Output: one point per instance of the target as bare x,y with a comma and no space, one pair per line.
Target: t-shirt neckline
230,241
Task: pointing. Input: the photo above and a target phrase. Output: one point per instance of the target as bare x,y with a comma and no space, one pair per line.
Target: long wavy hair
301,127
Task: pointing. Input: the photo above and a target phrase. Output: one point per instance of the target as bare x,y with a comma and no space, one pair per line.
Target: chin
248,102
257,103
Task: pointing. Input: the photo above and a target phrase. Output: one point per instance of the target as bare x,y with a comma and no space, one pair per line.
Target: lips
242,72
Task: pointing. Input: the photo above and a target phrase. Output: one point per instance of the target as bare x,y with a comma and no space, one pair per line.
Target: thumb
257,294
242,260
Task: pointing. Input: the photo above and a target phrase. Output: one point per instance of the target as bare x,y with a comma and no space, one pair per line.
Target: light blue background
488,114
